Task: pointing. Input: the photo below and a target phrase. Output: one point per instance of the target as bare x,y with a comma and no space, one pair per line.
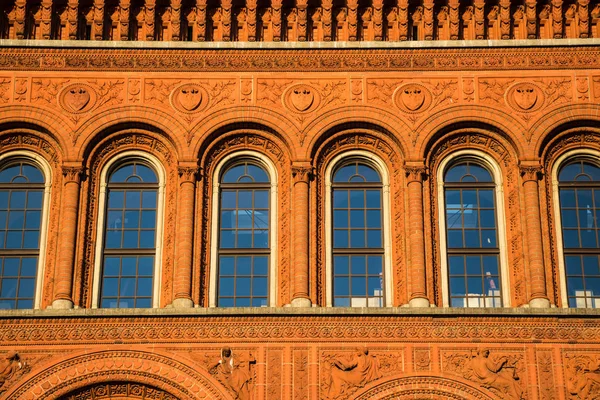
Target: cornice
293,60
252,328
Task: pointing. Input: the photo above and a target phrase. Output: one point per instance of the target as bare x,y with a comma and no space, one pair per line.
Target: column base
539,303
419,302
183,303
61,304
301,302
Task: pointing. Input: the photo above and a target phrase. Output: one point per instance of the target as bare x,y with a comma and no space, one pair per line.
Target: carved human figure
9,364
495,374
583,379
355,371
236,373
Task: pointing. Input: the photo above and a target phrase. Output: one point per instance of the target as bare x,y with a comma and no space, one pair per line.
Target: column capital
72,173
188,173
302,173
415,173
531,172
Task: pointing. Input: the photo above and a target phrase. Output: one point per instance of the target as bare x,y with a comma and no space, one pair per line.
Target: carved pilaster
327,20
226,6
200,20
403,19
557,18
479,17
72,8
584,22
251,6
149,16
531,17
98,20
276,19
19,18
378,19
175,20
428,19
124,12
454,19
46,19
302,6
505,19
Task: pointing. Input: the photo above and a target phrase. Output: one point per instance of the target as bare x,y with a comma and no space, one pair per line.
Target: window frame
572,155
44,167
224,164
379,165
107,169
492,166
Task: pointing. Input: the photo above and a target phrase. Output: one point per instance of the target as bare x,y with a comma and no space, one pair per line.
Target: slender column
182,282
479,17
301,177
403,19
531,16
537,274
149,16
504,19
302,6
63,276
557,18
98,24
200,20
124,13
428,19
418,279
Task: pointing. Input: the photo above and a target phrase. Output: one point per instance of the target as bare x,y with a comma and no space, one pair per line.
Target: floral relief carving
301,383
422,360
157,91
491,91
582,374
134,89
21,88
344,372
582,85
545,370
119,390
45,91
246,91
380,91
499,373
356,90
274,373
4,90
468,90
271,90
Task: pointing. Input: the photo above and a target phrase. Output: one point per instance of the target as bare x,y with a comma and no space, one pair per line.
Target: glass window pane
147,239
244,266
233,174
357,219
257,173
261,199
110,287
145,173
144,287
457,286
455,239
243,286
590,265
227,266
244,239
473,265
340,219
374,238
373,199
569,172
14,240
130,239
455,173
357,238
244,219
358,265
261,239
373,218
260,287
374,265
481,174
475,285
121,174
567,198
261,266
226,286
31,239
570,238
340,265
368,173
129,266
127,288
34,199
569,218
340,198
573,265
487,218
244,199
359,286
340,238
29,266
341,286
456,264
148,219
357,199
32,219
472,238
148,199
133,199
343,174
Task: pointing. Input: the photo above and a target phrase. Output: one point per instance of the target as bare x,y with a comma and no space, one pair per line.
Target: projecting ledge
304,311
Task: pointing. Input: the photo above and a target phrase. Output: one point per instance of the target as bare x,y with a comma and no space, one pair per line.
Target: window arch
25,182
472,231
129,233
358,259
243,252
578,181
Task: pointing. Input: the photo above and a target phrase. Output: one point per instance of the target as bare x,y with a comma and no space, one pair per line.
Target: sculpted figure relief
583,377
496,374
10,363
352,372
236,373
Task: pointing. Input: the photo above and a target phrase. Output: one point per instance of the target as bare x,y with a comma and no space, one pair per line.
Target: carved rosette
412,98
525,97
77,98
189,98
301,98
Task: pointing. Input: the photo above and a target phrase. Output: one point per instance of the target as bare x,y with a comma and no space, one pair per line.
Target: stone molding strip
227,60
255,329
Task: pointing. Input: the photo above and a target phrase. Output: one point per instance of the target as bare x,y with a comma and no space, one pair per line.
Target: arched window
130,228
473,250
357,239
21,208
579,196
244,236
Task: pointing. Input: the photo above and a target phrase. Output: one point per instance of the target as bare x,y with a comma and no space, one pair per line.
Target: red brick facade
77,110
